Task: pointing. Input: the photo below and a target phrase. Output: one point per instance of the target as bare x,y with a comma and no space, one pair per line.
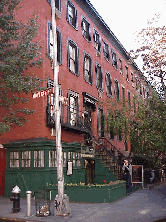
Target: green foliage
151,48
18,55
145,128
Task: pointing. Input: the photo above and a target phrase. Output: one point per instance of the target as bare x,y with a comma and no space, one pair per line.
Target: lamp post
61,207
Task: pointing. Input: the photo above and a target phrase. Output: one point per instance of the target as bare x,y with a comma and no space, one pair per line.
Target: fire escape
73,119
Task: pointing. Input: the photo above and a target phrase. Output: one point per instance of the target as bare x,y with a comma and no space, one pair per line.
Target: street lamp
61,207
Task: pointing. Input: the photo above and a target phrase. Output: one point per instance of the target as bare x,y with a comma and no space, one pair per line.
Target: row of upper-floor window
86,32
87,64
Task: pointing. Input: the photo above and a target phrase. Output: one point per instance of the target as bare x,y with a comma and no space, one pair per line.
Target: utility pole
62,207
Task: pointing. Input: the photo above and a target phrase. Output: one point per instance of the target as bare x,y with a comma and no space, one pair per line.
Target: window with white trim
73,57
99,77
52,158
97,40
100,122
57,4
127,73
39,158
71,14
26,159
108,84
50,43
129,100
114,60
88,68
117,90
14,159
73,108
106,50
120,67
123,96
86,29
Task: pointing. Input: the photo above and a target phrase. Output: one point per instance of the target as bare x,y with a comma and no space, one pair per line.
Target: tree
145,128
152,45
18,55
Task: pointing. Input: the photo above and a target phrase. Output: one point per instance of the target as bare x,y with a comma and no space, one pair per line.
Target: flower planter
94,193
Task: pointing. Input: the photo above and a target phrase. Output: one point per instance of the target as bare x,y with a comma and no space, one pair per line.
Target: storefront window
26,159
14,159
52,158
39,158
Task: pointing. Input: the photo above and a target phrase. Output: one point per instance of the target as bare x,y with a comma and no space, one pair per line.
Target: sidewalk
142,205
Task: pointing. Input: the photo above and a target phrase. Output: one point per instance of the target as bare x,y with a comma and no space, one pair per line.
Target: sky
125,17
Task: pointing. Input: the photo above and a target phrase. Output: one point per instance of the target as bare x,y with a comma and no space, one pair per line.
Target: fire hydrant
16,199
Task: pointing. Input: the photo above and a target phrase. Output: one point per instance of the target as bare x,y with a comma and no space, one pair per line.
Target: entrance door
90,171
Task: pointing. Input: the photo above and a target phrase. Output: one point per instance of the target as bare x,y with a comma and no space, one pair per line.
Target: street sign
42,93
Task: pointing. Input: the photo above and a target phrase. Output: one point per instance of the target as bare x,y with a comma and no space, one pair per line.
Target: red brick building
93,67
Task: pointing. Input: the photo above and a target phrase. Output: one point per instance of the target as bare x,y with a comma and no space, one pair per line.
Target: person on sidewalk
127,170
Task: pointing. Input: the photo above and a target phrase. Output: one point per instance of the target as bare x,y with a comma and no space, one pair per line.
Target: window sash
26,159
14,159
39,158
99,77
73,111
73,57
117,92
109,84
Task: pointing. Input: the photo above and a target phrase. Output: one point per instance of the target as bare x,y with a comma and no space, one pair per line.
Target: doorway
90,171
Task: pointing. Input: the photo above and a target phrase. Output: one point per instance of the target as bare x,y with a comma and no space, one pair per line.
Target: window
71,14
117,92
78,159
100,122
97,41
120,67
14,159
99,77
88,68
39,158
57,4
129,100
26,159
52,158
114,60
106,51
50,43
73,108
132,77
73,57
64,159
127,74
86,29
123,96
108,84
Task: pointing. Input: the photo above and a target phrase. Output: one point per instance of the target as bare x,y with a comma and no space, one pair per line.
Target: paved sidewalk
143,205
